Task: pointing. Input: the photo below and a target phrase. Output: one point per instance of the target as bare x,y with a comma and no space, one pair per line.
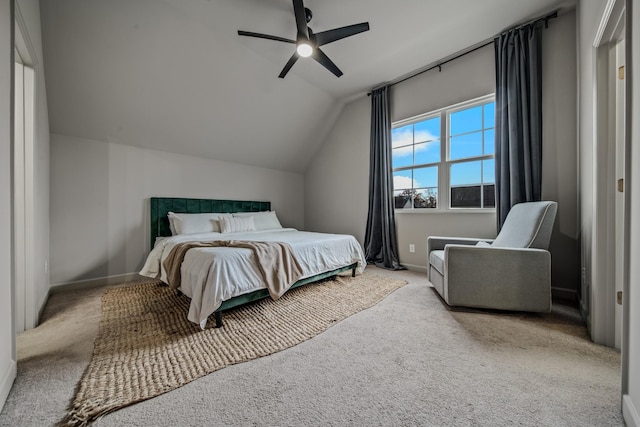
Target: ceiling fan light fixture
304,49
307,42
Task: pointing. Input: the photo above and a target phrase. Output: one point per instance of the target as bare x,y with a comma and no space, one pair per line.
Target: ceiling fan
307,42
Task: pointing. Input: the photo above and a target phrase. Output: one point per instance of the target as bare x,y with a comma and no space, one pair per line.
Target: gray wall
469,77
560,148
100,192
7,346
337,181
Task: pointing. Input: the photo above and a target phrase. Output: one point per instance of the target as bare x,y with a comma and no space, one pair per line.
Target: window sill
491,211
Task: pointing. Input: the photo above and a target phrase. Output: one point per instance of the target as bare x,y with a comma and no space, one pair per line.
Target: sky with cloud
418,143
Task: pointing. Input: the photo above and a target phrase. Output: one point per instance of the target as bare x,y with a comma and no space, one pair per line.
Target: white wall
7,336
337,181
30,10
100,200
631,401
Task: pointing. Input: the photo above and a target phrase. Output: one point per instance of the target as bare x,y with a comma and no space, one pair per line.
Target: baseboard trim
418,268
564,293
7,382
92,283
629,412
42,306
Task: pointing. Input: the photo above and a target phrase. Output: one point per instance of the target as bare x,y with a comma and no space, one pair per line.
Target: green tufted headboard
161,206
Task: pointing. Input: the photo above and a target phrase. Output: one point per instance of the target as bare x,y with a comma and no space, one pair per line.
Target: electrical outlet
412,248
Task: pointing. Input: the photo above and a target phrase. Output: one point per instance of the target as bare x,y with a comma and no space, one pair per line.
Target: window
454,171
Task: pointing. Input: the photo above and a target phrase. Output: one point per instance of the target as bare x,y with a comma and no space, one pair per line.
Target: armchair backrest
528,225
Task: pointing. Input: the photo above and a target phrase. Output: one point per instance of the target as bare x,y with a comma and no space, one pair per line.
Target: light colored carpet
147,347
409,360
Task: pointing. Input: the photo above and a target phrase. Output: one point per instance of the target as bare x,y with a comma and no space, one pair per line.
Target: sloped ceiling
173,75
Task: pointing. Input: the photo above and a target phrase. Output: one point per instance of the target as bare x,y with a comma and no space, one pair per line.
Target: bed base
264,293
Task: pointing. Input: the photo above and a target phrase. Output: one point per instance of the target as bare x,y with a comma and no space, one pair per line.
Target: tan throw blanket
277,263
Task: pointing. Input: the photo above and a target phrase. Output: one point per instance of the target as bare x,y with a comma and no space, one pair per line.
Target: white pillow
172,226
266,220
184,223
230,224
483,244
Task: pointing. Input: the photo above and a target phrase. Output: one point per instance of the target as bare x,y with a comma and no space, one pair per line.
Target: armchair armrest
437,243
497,277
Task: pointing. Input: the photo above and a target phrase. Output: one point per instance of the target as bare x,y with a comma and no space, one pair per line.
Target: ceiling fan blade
323,59
264,36
289,64
329,36
301,19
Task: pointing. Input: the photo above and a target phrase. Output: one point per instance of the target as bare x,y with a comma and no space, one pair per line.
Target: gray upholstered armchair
512,272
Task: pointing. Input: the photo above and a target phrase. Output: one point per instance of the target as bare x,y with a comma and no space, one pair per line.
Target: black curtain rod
439,65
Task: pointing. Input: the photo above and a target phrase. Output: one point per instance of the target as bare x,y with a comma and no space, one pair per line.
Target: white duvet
213,275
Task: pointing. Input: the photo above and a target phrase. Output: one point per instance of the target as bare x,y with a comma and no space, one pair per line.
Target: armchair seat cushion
436,259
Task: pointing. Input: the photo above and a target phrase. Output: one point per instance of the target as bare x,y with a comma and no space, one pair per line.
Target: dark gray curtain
380,243
518,117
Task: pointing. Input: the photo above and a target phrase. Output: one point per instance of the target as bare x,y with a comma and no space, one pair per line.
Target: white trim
413,267
602,280
92,283
610,24
455,211
19,255
22,42
564,293
29,196
629,412
7,381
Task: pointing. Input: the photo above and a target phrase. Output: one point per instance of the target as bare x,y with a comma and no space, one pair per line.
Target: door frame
23,176
602,297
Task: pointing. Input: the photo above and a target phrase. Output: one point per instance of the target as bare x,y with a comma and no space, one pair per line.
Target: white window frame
444,165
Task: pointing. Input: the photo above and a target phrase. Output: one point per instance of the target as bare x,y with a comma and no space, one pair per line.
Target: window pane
402,156
425,177
467,196
489,196
402,136
489,115
427,130
466,185
402,199
472,183
465,173
464,121
426,198
427,152
488,171
489,142
402,180
469,145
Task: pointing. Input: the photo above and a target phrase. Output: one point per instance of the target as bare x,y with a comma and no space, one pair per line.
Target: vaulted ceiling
173,75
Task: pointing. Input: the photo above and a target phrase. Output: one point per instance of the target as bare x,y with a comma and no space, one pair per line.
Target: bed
220,278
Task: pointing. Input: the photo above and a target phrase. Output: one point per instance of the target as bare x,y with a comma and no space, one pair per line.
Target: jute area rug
146,346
